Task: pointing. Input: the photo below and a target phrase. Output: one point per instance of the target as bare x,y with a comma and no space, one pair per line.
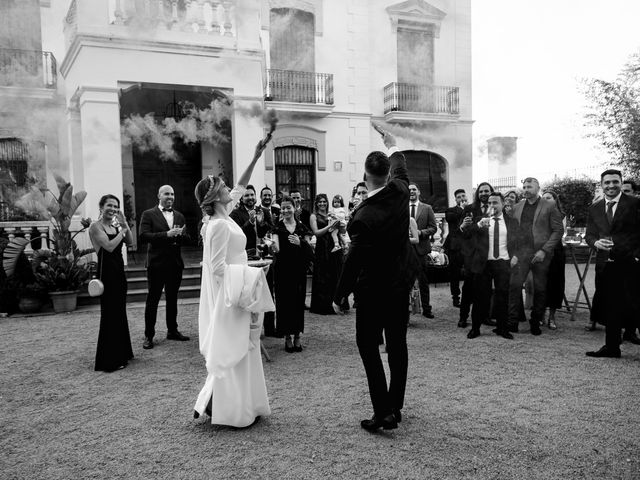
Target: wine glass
609,241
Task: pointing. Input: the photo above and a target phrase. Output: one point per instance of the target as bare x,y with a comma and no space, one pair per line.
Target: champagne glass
609,240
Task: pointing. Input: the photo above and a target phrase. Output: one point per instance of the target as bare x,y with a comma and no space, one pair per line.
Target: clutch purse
96,287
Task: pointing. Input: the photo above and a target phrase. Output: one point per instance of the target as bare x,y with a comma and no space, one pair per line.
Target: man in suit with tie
471,215
251,220
302,214
271,210
162,229
453,244
423,214
376,269
613,228
540,230
495,241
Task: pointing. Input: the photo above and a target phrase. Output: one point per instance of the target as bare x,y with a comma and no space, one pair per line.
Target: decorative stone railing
29,230
215,17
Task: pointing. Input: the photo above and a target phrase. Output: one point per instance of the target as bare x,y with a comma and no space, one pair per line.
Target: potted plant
31,297
62,270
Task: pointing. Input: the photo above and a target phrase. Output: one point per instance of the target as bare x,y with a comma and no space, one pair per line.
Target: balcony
406,101
200,23
300,92
27,69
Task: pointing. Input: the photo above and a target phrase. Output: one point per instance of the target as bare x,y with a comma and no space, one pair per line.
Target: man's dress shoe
535,330
428,314
473,333
387,423
503,333
397,414
633,338
148,343
605,352
177,336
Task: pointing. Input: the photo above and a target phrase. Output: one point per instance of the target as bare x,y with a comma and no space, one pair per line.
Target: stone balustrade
215,17
28,229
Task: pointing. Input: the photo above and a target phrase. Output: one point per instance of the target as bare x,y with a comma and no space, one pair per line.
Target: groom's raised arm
398,169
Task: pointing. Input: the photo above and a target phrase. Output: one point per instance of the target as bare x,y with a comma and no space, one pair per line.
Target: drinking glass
609,239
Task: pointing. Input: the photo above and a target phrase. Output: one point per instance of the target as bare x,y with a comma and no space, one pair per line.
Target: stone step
140,295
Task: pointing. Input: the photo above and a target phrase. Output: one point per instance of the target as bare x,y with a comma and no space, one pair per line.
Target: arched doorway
429,172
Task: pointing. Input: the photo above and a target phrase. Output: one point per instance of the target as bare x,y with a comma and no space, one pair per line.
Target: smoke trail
145,133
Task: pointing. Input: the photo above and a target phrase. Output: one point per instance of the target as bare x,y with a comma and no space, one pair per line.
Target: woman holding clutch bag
108,235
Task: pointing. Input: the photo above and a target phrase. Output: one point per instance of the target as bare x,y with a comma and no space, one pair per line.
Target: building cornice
81,40
416,15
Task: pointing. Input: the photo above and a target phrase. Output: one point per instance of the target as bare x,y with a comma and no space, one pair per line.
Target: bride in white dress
233,300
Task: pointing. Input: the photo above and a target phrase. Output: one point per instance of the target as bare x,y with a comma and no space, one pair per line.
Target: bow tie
167,209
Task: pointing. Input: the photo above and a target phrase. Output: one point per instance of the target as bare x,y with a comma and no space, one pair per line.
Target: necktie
610,211
413,211
484,209
496,238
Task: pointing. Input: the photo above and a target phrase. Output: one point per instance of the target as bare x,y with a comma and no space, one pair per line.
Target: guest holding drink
327,264
613,228
108,235
555,280
293,255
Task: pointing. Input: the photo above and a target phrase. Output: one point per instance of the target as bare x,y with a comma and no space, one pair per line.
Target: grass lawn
489,408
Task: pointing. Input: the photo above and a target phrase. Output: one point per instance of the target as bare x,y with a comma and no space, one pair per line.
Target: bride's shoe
297,346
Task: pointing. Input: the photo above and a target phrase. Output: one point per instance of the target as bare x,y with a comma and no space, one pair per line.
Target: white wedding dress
230,335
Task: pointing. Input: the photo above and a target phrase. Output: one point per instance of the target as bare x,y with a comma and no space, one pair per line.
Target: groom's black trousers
391,314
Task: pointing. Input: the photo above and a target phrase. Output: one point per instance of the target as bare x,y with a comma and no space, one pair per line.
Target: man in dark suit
453,244
423,214
162,229
377,270
495,241
613,228
540,230
271,210
250,219
302,214
471,215
271,214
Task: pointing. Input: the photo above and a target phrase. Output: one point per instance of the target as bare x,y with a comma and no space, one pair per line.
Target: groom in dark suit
613,228
162,228
376,270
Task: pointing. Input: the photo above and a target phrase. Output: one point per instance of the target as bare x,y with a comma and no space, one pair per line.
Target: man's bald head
166,196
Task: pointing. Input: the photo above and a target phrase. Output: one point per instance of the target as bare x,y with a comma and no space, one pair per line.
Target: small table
263,262
572,248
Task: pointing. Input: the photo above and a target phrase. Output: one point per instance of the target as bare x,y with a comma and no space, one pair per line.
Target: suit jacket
454,240
241,216
271,216
625,229
379,257
426,220
162,250
481,243
467,239
547,226
304,216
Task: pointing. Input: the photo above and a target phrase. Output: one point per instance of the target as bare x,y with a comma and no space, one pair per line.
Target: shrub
576,195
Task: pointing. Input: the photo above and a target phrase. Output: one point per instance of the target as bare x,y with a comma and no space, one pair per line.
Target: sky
528,59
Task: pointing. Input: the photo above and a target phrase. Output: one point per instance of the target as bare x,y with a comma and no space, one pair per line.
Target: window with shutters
295,170
428,171
14,162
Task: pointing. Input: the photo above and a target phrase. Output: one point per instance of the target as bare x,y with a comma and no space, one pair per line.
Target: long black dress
326,271
555,279
114,343
290,278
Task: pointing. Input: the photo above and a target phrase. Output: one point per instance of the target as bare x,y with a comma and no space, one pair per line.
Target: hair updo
207,192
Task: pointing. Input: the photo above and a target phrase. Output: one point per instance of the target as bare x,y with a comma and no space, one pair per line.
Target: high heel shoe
551,324
288,346
297,346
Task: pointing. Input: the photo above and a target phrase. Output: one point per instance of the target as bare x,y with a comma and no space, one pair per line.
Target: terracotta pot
64,301
29,304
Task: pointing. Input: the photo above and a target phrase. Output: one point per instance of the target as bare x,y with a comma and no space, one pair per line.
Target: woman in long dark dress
290,277
108,235
327,265
555,279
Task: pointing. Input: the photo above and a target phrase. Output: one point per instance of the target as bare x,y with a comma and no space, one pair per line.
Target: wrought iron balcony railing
27,68
299,87
408,97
